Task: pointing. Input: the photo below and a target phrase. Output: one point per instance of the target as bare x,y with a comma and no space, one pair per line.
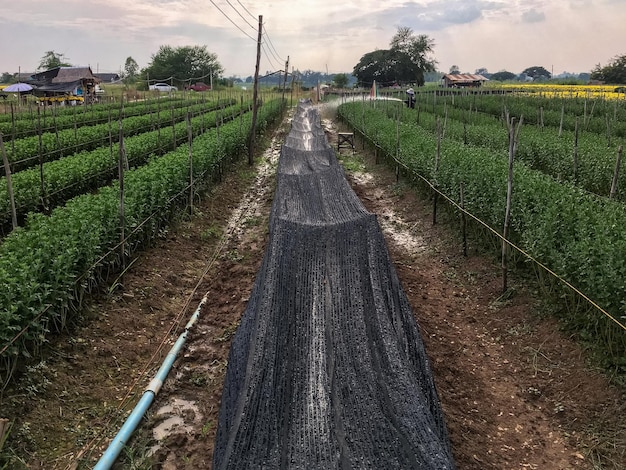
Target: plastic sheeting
327,369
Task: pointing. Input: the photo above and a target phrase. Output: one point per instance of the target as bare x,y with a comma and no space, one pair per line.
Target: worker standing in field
410,98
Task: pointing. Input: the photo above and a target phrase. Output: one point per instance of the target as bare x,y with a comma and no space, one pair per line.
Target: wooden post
576,151
42,194
255,94
463,220
608,130
513,137
190,139
618,164
120,172
561,124
7,173
285,80
436,170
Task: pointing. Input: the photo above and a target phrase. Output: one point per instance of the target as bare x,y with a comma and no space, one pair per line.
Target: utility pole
285,80
255,94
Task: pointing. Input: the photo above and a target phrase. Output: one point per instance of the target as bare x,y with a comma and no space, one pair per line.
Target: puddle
179,416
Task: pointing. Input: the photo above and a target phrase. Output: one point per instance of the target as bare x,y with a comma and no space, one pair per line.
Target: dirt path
516,392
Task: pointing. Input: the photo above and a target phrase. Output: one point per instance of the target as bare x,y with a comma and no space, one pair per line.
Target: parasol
18,88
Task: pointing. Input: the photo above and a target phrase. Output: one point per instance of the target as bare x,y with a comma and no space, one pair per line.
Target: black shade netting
327,369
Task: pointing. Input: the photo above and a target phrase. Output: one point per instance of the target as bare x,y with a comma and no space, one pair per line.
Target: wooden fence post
618,164
513,139
7,172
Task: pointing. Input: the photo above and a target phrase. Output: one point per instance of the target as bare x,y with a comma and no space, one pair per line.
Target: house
108,77
461,80
65,84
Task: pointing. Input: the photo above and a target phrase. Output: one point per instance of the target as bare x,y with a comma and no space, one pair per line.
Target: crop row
577,235
48,266
27,124
30,151
67,177
542,149
592,115
30,113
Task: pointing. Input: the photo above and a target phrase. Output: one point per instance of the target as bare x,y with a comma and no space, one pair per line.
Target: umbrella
18,88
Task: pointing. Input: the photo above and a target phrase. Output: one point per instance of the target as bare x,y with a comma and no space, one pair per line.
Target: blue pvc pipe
119,441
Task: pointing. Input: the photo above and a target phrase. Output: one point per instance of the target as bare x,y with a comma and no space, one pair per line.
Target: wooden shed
460,80
75,84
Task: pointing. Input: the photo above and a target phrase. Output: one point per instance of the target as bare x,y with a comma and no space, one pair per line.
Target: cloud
533,16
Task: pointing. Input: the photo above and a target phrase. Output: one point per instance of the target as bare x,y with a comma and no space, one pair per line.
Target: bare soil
516,391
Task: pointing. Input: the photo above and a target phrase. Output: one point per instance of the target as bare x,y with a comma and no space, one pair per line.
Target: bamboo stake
42,194
463,219
561,124
513,138
576,151
120,170
190,139
437,157
618,164
7,173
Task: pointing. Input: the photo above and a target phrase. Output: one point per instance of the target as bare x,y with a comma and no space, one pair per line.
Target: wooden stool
345,139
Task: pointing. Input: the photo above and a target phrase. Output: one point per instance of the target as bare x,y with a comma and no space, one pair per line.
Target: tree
503,75
183,63
483,71
7,77
340,80
537,72
52,60
130,70
405,62
614,72
454,70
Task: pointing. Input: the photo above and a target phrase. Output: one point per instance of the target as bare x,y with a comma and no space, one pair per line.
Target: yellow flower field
546,90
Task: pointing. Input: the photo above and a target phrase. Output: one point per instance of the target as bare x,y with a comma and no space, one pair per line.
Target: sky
319,35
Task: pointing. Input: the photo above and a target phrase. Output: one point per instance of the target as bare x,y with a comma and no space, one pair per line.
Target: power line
277,56
268,57
241,16
229,19
246,10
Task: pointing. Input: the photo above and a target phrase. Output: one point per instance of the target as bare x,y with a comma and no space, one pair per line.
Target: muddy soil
517,393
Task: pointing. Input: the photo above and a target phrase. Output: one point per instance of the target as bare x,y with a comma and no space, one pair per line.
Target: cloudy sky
560,35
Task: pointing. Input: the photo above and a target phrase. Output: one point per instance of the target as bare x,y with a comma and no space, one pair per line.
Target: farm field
514,388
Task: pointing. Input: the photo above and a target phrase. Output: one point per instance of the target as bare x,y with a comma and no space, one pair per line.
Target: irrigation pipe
119,441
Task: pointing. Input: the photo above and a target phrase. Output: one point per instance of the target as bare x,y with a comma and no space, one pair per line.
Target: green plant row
24,153
541,149
86,171
577,235
591,114
30,113
29,125
49,265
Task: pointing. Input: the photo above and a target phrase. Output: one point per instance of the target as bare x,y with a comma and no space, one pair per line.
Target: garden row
35,189
32,123
579,236
584,160
593,115
30,151
47,267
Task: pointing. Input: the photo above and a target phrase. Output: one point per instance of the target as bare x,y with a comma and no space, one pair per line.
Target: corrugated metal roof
70,74
464,77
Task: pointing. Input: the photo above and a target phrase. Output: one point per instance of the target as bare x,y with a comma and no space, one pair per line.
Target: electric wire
246,10
241,16
272,45
229,19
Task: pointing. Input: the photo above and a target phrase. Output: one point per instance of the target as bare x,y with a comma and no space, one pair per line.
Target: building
108,77
461,80
65,84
